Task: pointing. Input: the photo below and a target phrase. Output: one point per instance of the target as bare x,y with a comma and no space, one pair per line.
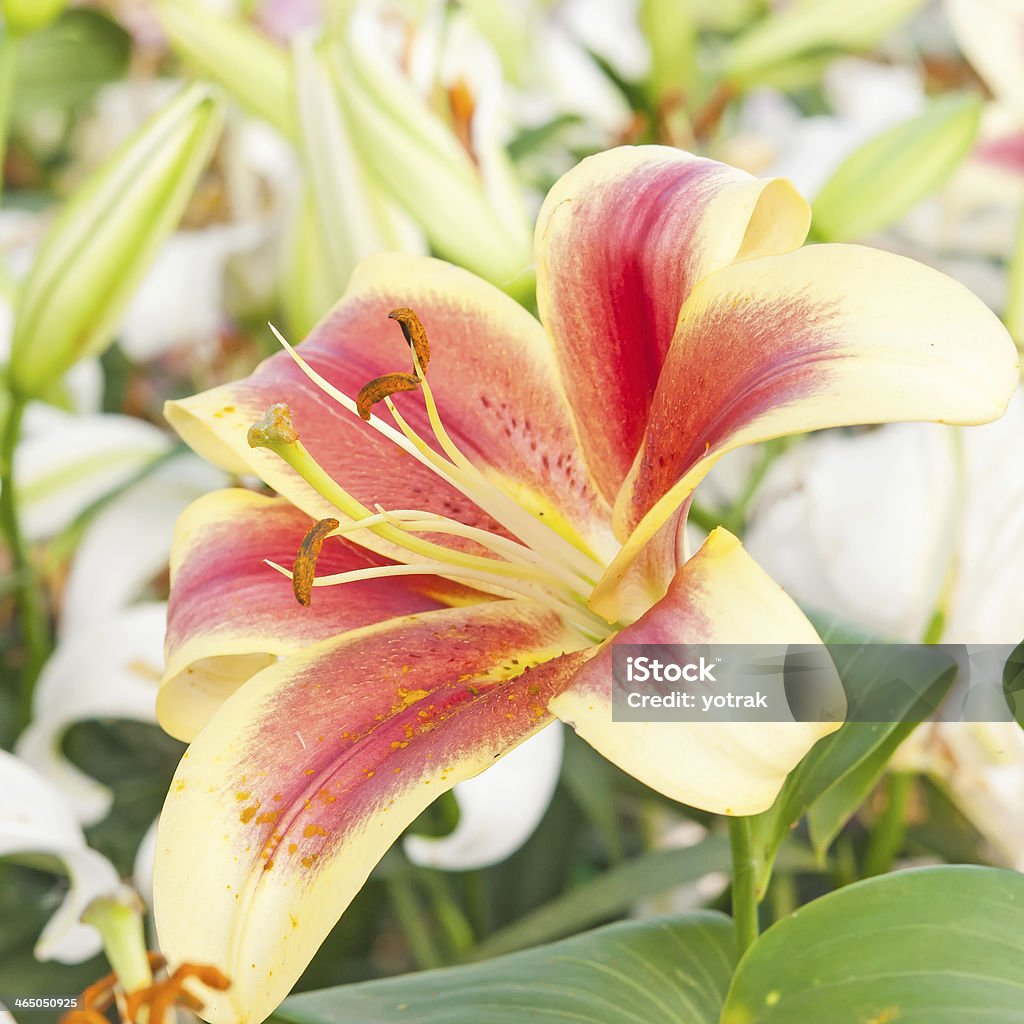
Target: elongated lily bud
236,56
467,202
23,16
106,237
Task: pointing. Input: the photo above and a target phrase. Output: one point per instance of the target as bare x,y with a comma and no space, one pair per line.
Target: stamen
415,335
584,620
382,387
304,568
480,491
157,999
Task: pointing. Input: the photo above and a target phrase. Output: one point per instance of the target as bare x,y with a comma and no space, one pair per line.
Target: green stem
118,919
9,45
28,594
744,883
413,922
888,834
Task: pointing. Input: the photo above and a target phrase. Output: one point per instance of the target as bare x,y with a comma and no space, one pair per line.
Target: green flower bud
24,16
105,238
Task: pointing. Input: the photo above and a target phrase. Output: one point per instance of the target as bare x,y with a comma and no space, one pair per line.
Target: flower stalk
28,596
744,883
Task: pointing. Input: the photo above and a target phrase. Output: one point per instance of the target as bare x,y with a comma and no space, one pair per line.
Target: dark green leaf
932,946
610,894
66,63
852,757
668,971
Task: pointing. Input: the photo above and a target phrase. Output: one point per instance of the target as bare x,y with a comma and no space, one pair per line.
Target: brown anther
304,569
415,334
274,430
382,387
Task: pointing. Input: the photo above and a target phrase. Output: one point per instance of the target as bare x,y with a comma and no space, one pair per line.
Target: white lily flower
892,524
498,810
110,652
35,821
66,462
888,519
107,671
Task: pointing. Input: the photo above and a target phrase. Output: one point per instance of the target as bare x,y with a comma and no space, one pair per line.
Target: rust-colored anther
383,387
415,334
304,569
157,999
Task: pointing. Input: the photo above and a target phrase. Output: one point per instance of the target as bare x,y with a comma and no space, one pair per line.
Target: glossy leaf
65,63
867,667
935,945
610,893
668,971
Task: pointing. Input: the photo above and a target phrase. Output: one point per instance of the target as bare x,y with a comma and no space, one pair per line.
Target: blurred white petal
991,35
128,542
109,670
66,462
981,766
142,870
498,810
866,99
861,525
988,599
180,302
34,819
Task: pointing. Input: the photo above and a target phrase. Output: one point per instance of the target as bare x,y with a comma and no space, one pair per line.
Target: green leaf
834,808
668,971
813,25
886,177
66,63
936,946
609,894
842,766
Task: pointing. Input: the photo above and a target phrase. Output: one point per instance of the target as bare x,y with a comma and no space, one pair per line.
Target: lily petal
491,370
719,596
826,336
498,810
35,820
231,615
621,241
309,773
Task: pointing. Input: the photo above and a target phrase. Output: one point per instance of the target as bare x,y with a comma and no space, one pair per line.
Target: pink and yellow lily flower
475,550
